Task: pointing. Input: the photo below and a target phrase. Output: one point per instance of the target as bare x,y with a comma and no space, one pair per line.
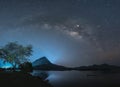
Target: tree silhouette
26,67
15,54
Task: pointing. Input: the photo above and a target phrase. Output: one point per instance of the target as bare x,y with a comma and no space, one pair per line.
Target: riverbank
20,79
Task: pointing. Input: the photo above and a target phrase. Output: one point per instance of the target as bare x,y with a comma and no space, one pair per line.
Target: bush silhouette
26,67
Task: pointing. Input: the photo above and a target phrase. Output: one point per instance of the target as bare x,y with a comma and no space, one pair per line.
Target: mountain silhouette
44,64
41,61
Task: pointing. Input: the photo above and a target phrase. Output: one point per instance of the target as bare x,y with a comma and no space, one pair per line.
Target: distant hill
44,64
102,67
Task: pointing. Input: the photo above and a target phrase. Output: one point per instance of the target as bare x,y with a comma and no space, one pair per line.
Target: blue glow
5,65
51,54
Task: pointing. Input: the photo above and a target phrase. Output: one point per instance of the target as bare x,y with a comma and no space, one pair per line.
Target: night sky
67,32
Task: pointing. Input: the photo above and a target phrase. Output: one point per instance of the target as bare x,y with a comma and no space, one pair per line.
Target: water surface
80,78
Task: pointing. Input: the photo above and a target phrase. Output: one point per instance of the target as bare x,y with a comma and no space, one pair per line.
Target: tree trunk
14,67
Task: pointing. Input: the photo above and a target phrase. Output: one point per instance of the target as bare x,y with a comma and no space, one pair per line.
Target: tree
15,54
26,67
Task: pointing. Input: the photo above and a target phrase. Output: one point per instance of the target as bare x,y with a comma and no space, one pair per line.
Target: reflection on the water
80,78
42,74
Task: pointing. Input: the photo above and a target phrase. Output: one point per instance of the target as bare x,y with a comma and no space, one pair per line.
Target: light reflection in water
81,78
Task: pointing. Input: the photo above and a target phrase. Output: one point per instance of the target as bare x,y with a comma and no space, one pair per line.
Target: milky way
68,32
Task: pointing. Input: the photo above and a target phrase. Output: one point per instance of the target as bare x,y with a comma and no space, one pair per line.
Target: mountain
44,64
41,61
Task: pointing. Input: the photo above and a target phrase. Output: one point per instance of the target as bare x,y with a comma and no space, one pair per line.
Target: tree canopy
15,54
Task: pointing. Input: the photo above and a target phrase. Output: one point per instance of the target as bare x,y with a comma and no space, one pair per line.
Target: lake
80,78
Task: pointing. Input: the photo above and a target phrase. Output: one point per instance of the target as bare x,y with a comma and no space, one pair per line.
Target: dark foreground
61,79
20,79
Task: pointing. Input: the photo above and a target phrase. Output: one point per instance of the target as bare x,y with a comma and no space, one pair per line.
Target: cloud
73,34
75,28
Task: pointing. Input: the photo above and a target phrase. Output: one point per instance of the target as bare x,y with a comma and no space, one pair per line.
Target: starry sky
67,32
